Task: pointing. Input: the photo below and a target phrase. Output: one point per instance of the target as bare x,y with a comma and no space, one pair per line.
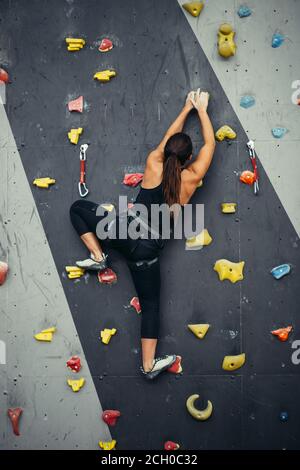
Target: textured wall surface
158,59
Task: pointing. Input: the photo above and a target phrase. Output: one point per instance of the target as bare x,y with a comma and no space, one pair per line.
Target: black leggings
142,258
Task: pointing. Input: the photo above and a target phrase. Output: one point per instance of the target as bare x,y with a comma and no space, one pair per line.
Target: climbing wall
158,59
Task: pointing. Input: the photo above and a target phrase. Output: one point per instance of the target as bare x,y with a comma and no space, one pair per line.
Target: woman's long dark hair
177,150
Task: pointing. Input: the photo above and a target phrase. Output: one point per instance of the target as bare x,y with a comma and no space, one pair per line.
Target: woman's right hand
200,100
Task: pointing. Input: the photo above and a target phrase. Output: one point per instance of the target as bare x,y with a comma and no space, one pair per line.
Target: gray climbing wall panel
158,59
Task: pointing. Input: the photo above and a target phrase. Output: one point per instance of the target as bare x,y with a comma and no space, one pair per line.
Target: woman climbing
168,178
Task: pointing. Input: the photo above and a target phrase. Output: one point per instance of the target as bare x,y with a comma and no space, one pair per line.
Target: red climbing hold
133,179
3,272
176,367
135,303
107,276
110,417
247,177
169,445
76,105
106,45
74,363
282,333
14,415
4,77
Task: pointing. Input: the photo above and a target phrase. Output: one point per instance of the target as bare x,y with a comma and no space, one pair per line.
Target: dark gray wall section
158,61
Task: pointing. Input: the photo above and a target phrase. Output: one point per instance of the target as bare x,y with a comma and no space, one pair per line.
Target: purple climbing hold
244,11
277,40
247,101
279,271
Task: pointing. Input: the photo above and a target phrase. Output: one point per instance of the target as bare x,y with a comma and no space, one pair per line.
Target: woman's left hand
189,100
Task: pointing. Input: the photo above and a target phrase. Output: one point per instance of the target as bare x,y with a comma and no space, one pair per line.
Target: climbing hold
4,77
107,445
74,134
247,101
14,415
46,335
43,182
282,333
247,177
106,334
132,179
76,385
169,445
194,8
279,132
108,207
75,44
228,270
225,132
226,44
279,271
105,45
200,184
199,329
176,367
135,303
196,243
244,11
228,207
283,416
107,276
105,75
3,272
74,363
233,362
277,40
74,272
76,105
201,415
110,417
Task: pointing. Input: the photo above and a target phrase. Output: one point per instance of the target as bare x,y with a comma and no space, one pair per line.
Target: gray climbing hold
247,101
277,40
284,416
244,11
279,132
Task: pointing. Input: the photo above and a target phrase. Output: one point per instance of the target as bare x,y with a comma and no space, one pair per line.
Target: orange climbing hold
76,105
176,367
282,333
107,276
247,177
4,77
14,416
3,272
132,179
135,303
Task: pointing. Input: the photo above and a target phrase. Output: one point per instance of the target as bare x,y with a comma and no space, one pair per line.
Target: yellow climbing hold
108,207
202,239
107,445
228,270
233,362
74,134
76,385
105,75
46,335
75,44
106,334
194,8
74,272
199,329
225,132
43,182
200,184
228,207
226,44
200,415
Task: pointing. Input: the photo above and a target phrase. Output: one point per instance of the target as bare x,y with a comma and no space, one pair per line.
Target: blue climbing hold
279,271
279,132
283,416
277,40
244,11
247,101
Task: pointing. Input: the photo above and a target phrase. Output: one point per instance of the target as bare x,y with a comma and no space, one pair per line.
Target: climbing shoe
93,265
160,364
